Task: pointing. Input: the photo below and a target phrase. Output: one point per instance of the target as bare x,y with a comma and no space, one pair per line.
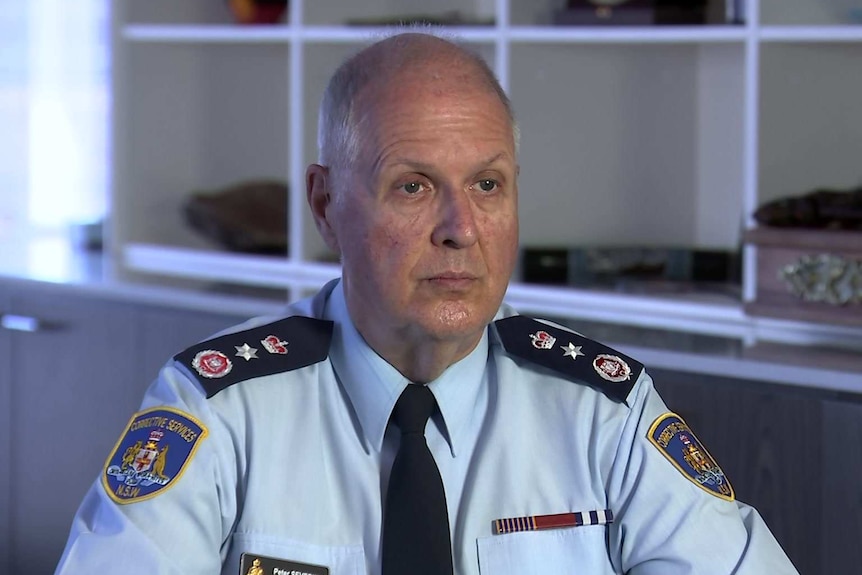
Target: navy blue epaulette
572,355
284,345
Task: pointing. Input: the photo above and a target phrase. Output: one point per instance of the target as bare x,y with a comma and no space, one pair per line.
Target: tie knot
413,409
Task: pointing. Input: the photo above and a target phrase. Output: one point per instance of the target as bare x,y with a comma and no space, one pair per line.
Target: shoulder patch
675,440
152,454
572,355
284,345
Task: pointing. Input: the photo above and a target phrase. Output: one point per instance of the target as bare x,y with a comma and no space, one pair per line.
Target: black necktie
415,522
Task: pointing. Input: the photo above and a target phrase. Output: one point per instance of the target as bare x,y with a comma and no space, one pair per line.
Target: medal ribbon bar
555,521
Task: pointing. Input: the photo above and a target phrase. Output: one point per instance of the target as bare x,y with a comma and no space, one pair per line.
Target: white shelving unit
656,136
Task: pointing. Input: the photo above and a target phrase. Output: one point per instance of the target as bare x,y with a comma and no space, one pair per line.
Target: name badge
260,565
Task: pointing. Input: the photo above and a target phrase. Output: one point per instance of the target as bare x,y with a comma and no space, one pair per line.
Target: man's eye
486,185
412,187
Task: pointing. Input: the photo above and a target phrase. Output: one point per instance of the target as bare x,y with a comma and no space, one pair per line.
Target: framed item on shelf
632,12
258,11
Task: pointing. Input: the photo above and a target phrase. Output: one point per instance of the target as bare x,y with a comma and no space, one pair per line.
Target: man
292,445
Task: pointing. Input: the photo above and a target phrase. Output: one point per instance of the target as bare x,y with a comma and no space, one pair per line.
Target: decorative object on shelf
258,11
808,275
821,208
605,12
634,269
636,12
249,217
826,278
450,18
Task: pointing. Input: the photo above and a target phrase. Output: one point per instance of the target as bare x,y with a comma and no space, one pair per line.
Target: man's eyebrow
494,159
414,165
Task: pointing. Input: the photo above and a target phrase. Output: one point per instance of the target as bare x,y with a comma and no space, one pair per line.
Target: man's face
427,223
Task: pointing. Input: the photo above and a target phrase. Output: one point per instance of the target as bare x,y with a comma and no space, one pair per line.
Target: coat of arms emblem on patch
672,436
152,454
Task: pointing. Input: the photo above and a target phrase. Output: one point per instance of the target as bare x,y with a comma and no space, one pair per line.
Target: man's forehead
426,91
440,76
422,163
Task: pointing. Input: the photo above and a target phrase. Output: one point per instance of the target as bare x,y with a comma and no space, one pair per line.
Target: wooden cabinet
73,367
650,136
794,454
73,388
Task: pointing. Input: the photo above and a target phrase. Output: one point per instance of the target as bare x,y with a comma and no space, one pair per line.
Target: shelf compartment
627,145
338,12
809,12
318,65
810,124
220,120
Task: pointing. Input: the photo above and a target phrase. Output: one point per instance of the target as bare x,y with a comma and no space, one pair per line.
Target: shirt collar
374,386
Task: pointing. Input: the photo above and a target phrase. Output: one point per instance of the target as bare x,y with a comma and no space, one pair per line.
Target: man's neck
425,360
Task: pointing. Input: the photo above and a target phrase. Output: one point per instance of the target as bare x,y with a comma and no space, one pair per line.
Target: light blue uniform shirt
293,465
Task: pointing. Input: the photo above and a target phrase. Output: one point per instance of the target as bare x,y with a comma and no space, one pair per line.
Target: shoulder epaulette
569,354
284,345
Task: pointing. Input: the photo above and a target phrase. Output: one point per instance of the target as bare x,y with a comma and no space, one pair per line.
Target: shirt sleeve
129,522
672,512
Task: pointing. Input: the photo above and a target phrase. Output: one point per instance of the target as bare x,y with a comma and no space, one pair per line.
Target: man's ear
320,200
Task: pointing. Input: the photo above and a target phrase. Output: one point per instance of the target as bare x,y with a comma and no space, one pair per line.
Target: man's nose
456,225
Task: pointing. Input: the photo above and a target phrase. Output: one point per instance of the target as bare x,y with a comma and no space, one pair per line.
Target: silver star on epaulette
246,352
572,350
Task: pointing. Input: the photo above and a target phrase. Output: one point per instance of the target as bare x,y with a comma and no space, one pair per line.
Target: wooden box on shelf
808,275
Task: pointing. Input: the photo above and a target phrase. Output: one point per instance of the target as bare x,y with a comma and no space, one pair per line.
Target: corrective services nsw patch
152,454
672,436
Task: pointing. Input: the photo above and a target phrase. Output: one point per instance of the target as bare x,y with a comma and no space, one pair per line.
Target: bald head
439,63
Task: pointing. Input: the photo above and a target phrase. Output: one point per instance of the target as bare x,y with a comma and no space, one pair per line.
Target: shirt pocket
553,552
339,559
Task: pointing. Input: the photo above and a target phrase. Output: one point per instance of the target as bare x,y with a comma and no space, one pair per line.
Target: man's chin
455,321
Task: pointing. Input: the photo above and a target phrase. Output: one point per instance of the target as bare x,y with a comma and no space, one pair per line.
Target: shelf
525,34
718,316
364,33
627,34
707,315
659,348
242,269
711,315
230,33
207,33
774,368
823,34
